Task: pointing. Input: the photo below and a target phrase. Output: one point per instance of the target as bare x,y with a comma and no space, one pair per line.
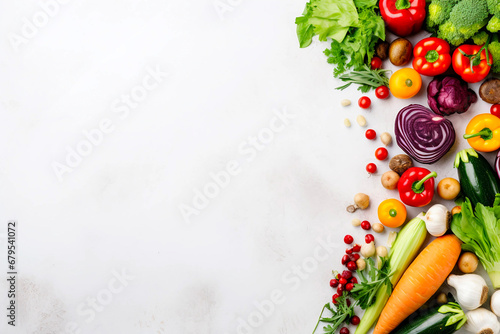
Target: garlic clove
472,290
495,303
437,220
482,321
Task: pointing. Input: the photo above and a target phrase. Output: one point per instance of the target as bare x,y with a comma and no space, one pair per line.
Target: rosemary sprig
366,78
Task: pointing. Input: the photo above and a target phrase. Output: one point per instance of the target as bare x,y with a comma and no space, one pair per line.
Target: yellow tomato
405,83
392,213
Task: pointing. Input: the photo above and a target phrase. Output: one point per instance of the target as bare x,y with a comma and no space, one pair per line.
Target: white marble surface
116,212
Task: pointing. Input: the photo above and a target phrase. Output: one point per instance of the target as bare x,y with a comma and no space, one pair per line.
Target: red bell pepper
416,186
403,17
431,56
471,62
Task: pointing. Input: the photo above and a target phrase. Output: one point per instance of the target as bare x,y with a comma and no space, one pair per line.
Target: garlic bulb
482,321
437,220
472,290
495,303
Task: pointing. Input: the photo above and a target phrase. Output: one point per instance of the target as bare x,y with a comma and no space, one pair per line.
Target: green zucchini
478,180
441,319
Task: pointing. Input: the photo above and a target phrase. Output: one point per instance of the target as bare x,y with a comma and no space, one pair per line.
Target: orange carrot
419,282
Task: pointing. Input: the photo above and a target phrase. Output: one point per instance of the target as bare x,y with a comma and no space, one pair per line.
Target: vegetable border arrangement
400,287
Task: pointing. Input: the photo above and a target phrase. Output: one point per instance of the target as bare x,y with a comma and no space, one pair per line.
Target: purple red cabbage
424,136
448,95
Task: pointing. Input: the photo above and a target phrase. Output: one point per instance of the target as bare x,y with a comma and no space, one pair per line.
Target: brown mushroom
490,91
400,163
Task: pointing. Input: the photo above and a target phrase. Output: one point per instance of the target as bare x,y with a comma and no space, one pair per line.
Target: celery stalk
403,251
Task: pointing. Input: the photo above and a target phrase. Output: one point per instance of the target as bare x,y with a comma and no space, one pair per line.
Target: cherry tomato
494,110
370,134
381,153
376,63
382,92
371,168
364,102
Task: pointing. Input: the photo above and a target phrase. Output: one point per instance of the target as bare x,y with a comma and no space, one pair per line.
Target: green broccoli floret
494,7
480,38
439,11
469,16
494,24
450,32
494,49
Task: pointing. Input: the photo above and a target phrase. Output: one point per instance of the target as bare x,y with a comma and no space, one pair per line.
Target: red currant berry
369,238
342,281
346,274
356,248
334,283
334,298
348,239
344,330
356,257
349,286
354,280
345,259
348,251
355,320
352,266
340,289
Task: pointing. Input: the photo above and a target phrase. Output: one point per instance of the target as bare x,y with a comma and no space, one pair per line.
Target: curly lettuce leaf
327,19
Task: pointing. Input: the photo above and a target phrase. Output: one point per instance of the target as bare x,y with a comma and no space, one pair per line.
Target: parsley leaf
365,291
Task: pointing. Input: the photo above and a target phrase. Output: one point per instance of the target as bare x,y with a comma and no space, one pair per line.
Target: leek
403,251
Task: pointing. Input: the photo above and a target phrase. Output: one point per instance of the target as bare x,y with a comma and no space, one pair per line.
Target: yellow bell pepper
392,213
483,133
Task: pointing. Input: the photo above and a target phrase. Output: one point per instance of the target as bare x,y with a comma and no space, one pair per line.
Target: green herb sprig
365,291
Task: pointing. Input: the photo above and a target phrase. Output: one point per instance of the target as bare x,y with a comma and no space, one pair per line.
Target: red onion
423,135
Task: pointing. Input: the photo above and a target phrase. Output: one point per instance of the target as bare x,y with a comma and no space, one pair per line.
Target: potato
448,188
390,180
400,52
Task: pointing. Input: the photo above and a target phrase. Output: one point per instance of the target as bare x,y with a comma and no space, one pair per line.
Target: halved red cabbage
423,135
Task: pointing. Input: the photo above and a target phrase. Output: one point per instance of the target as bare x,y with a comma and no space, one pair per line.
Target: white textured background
119,208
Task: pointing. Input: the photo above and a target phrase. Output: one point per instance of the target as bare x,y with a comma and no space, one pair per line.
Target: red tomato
376,63
494,110
382,92
371,168
381,153
370,134
364,102
462,66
